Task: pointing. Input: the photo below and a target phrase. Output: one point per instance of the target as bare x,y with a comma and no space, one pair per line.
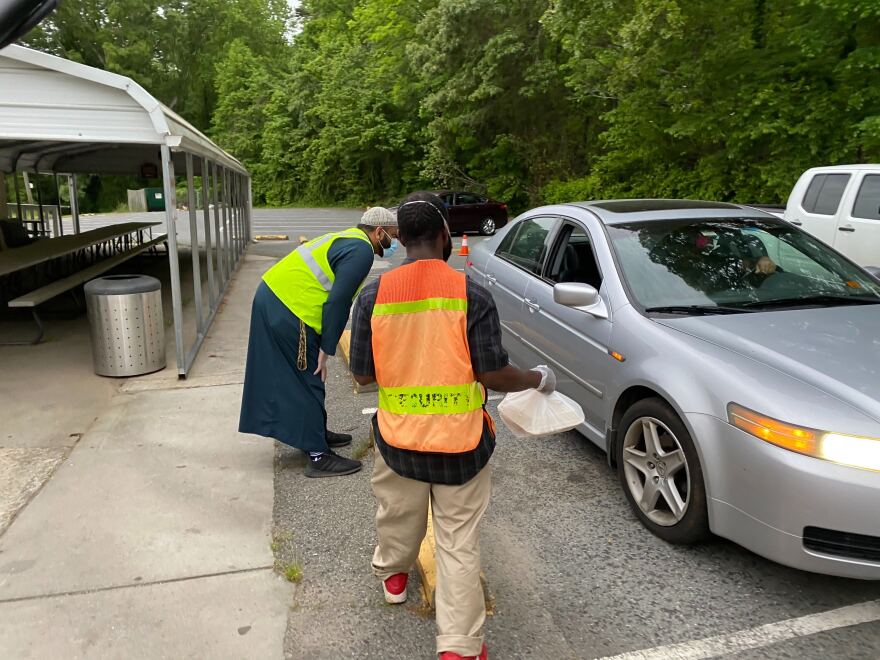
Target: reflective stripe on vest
429,400
306,252
303,279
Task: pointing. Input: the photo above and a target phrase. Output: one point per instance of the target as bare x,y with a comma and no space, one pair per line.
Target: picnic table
127,240
47,249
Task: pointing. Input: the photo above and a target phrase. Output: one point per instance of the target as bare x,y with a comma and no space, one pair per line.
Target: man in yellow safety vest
299,312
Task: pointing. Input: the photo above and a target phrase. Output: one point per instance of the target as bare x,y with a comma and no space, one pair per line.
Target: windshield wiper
697,310
823,299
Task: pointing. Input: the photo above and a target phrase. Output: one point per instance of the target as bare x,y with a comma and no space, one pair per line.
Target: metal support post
250,209
206,204
236,196
27,188
230,218
3,200
241,213
74,202
194,244
227,239
59,225
232,183
233,229
40,204
17,196
233,216
221,257
174,265
243,190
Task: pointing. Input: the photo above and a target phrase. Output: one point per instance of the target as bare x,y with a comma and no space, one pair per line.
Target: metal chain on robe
301,362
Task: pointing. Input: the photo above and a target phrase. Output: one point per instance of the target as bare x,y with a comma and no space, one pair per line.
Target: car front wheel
487,227
660,473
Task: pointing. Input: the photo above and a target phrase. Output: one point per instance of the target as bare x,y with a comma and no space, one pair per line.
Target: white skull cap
378,216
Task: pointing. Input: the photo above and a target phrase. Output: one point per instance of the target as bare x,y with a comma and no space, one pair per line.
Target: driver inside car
754,262
715,263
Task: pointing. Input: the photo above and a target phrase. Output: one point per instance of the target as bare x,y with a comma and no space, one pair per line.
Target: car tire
657,459
487,227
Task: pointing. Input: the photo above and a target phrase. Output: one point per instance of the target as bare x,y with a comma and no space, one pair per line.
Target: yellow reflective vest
303,279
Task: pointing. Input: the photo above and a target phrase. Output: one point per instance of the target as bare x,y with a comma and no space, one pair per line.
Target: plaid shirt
487,354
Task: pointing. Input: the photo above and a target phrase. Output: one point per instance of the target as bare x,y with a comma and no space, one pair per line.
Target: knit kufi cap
379,216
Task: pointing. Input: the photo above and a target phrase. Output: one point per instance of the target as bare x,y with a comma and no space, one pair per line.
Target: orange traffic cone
463,252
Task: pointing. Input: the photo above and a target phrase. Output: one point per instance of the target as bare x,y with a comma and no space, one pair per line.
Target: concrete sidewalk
153,537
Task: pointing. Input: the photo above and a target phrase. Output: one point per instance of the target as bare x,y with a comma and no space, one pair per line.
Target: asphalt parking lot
573,573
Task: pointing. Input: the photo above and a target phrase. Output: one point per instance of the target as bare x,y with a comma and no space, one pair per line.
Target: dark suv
471,212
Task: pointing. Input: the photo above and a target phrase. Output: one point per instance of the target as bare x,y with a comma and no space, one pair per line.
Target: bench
41,295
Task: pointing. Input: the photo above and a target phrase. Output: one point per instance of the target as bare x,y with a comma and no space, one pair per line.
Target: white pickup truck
840,206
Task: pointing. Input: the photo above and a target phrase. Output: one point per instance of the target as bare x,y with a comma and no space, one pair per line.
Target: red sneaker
452,655
395,588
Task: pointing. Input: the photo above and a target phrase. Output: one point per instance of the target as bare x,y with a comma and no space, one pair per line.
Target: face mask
387,252
384,244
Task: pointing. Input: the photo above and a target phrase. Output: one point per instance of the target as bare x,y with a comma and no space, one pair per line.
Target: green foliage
170,47
724,100
526,100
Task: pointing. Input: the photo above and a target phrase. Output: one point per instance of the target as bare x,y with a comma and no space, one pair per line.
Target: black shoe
337,439
332,465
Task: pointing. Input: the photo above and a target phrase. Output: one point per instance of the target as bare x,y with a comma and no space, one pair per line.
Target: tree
171,48
499,116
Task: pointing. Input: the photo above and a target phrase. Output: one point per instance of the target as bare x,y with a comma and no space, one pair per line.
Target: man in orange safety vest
430,337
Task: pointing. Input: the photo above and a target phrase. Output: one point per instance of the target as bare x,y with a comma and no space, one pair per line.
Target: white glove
548,379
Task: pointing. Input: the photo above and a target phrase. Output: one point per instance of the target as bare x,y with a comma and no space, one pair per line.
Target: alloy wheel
487,228
656,471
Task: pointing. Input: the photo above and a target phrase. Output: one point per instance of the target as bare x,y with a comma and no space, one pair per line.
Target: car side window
574,259
868,200
824,193
447,199
528,244
467,198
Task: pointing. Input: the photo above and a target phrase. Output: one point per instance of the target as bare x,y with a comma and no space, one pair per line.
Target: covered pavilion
58,117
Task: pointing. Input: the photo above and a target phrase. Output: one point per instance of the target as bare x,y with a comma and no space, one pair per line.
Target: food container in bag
532,413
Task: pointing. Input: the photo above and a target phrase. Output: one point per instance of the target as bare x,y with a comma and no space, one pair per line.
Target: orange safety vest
429,399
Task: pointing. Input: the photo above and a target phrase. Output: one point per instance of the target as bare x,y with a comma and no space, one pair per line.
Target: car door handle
533,307
850,229
491,281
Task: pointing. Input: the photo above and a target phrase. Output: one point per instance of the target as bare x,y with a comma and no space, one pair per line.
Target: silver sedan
727,362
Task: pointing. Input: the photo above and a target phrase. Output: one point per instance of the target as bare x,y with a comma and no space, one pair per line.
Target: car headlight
851,450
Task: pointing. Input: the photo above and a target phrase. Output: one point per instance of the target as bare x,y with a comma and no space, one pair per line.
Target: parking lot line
760,636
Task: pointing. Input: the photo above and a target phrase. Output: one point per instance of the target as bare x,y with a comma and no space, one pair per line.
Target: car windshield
734,264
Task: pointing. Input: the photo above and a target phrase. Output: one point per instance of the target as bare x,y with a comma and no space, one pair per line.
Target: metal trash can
126,326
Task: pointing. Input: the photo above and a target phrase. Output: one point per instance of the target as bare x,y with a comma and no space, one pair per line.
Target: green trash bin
155,199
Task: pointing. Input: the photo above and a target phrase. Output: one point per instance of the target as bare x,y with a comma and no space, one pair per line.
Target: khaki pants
401,522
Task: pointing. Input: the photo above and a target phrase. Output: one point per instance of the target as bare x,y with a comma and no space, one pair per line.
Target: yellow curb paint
271,237
425,563
345,351
427,567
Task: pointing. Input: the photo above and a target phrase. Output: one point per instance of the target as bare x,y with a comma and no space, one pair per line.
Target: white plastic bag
532,413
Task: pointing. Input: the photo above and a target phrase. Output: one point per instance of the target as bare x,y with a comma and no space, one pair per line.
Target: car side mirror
17,17
578,295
